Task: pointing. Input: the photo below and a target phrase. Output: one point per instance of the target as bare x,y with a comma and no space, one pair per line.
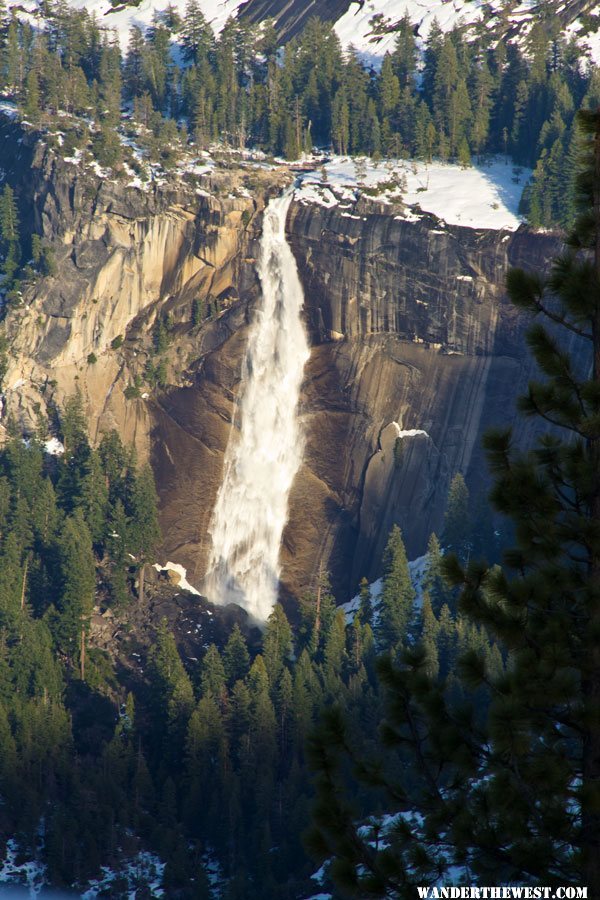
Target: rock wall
291,16
416,350
123,255
411,325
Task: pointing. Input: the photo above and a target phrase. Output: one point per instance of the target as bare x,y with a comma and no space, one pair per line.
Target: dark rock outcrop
292,15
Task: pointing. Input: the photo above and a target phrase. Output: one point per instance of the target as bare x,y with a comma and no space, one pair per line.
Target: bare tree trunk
141,579
318,615
24,585
82,652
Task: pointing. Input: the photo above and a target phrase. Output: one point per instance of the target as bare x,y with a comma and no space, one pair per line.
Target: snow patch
31,874
76,158
418,569
370,25
316,193
412,432
485,196
418,572
182,572
53,447
353,606
9,109
589,42
145,869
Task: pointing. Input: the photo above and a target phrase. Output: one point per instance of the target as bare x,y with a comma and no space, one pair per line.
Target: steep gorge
409,324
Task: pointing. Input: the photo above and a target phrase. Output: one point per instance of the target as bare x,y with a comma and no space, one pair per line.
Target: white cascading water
262,459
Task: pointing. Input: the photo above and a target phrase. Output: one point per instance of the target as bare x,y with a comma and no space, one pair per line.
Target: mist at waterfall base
264,455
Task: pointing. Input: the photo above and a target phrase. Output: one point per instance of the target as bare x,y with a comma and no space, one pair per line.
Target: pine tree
115,459
277,643
405,55
77,585
482,106
10,241
429,636
11,578
397,596
212,680
31,108
236,659
366,604
14,58
341,123
73,425
335,648
456,520
284,703
94,499
434,583
197,37
389,88
144,531
446,80
134,76
173,696
238,723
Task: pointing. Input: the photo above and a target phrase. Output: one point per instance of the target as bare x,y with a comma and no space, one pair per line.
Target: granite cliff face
409,324
123,256
415,349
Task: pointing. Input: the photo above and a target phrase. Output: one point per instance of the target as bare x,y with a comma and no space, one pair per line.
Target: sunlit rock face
409,324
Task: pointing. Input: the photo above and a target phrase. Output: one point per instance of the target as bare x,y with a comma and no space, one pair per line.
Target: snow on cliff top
477,197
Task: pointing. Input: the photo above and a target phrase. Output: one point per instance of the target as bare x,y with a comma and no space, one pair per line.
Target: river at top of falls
264,455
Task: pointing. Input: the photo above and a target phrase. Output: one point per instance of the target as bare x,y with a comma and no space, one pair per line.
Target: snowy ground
367,25
589,42
145,870
30,874
216,11
418,570
485,196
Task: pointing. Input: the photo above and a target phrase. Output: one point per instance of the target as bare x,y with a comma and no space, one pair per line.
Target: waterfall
263,456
